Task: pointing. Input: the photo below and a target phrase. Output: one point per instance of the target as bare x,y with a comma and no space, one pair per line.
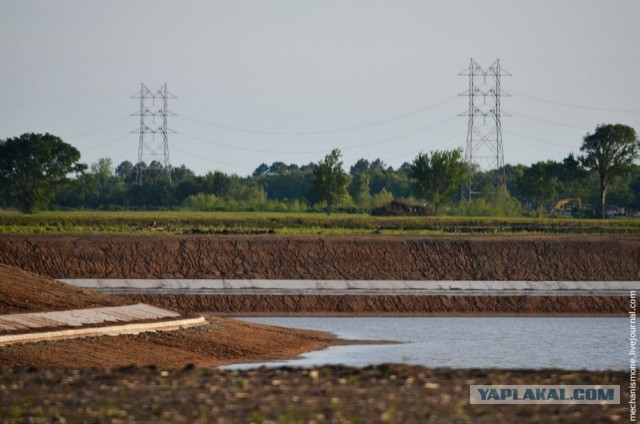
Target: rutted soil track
534,258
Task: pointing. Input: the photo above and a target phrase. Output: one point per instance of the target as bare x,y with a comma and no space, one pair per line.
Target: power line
359,146
107,143
211,160
128,152
566,146
428,147
556,102
548,121
99,128
243,149
386,140
335,130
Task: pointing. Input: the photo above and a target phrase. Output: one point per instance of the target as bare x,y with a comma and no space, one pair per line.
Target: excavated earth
332,394
387,305
220,341
534,258
48,381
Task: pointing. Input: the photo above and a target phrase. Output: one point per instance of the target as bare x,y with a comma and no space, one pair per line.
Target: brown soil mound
22,291
373,305
532,258
223,341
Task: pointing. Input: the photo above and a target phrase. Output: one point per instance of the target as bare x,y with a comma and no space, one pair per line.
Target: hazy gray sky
315,67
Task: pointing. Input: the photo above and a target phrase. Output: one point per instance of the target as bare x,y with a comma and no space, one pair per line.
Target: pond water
592,343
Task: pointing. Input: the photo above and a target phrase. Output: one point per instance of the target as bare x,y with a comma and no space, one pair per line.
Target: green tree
539,184
610,151
330,181
383,197
32,164
126,171
217,183
439,175
360,191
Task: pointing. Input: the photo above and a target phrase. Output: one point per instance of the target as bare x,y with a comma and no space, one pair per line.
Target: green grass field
177,222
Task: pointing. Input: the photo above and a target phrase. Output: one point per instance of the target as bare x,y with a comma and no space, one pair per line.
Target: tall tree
610,151
439,175
360,191
539,184
126,170
330,181
30,165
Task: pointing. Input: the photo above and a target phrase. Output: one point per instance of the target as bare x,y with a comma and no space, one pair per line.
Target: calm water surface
468,342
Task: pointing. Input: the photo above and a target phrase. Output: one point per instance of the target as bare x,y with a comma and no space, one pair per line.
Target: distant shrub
401,209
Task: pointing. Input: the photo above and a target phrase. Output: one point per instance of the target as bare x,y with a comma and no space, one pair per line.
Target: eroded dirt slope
373,305
22,291
222,341
377,257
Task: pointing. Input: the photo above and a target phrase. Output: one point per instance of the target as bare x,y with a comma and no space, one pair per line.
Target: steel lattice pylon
484,151
153,121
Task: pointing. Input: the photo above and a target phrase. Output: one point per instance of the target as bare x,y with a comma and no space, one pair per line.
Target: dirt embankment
533,258
22,292
221,341
388,305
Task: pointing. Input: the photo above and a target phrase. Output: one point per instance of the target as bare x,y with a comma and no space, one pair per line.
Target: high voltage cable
244,149
540,99
566,146
211,160
135,149
99,128
107,143
386,140
547,121
359,146
428,147
335,130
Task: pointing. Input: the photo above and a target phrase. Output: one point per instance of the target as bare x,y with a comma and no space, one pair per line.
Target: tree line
41,171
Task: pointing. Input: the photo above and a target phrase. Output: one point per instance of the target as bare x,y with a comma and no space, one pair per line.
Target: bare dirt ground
54,386
534,258
388,305
22,292
382,394
222,341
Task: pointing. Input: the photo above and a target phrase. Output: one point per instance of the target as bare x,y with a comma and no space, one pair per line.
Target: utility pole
484,152
152,150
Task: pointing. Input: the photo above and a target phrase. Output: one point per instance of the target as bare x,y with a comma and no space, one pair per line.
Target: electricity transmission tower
484,153
154,141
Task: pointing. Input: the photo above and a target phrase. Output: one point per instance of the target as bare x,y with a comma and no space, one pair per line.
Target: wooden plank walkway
81,317
23,328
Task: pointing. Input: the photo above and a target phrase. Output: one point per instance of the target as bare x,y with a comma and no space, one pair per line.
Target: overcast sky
262,81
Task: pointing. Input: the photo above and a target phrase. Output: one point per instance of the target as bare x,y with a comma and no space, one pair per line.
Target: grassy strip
183,222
